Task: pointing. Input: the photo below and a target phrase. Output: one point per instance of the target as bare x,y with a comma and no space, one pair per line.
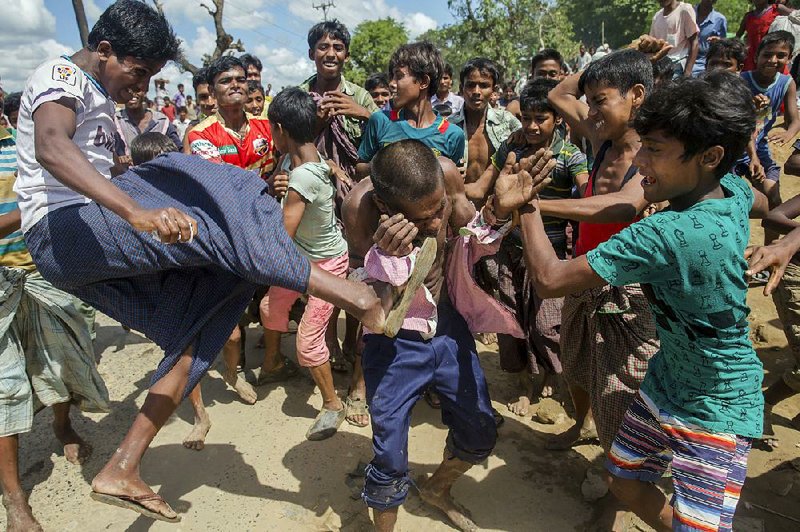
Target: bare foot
357,412
131,486
76,451
574,435
19,516
521,406
547,387
196,439
457,514
242,388
608,515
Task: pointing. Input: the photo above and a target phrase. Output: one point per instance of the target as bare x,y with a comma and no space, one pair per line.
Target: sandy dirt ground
258,472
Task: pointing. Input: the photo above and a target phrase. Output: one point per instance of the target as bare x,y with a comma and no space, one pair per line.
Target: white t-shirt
676,28
38,191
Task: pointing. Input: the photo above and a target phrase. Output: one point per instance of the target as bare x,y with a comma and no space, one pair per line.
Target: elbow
773,221
544,283
792,166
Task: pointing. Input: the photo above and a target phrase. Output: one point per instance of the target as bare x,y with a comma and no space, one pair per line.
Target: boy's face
409,88
253,74
477,90
539,127
427,213
206,100
230,88
549,69
446,83
182,115
255,103
772,59
610,111
136,101
719,62
380,95
666,174
122,77
329,56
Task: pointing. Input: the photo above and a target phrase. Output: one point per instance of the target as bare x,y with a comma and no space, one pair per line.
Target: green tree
507,31
733,10
619,21
372,45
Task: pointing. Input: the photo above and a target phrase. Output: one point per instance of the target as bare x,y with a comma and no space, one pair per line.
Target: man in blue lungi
108,242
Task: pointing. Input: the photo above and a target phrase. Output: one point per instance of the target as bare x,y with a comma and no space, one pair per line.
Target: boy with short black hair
548,63
700,402
148,146
768,81
726,54
445,102
505,275
417,69
255,98
377,85
603,377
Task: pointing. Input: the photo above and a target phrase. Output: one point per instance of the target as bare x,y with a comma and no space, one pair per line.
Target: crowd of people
592,219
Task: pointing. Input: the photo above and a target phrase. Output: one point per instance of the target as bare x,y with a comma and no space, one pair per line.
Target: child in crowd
255,98
699,406
768,81
182,122
377,85
603,377
726,54
547,64
417,69
11,109
150,145
676,23
538,353
756,24
308,213
445,102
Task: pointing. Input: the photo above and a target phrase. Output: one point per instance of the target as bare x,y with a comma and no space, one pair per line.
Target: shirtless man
411,196
484,126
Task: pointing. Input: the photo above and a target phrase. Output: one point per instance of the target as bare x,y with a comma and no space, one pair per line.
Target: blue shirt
715,25
386,127
691,266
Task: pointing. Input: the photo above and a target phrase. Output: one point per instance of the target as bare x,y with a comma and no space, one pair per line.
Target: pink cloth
480,310
378,266
275,306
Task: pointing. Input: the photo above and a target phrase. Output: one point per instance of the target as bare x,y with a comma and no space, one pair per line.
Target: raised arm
54,127
565,98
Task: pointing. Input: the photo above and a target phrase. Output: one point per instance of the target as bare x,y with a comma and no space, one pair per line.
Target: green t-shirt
318,236
691,266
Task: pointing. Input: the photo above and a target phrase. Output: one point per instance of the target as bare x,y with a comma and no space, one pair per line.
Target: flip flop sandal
422,266
356,406
761,278
326,424
135,503
287,371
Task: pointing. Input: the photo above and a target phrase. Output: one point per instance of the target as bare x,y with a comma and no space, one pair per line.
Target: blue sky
31,31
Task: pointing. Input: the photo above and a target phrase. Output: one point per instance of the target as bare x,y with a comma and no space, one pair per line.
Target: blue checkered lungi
179,295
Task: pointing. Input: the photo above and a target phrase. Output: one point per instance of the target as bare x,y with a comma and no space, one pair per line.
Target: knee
384,491
236,336
623,489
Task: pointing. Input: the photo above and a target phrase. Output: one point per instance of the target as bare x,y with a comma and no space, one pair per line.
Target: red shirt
756,27
211,140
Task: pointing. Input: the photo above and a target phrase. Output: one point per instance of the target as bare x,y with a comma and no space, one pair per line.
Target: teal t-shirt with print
691,265
387,127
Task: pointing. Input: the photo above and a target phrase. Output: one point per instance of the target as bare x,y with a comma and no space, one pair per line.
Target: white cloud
27,39
418,23
351,12
283,67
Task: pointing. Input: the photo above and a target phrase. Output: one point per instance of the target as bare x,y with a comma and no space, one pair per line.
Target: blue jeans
397,371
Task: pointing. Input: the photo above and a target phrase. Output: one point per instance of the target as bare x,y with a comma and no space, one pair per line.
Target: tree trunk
83,25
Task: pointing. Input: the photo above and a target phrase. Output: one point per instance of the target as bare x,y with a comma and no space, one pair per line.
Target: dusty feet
19,516
442,500
522,406
608,515
196,439
76,451
242,388
357,410
574,435
132,493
